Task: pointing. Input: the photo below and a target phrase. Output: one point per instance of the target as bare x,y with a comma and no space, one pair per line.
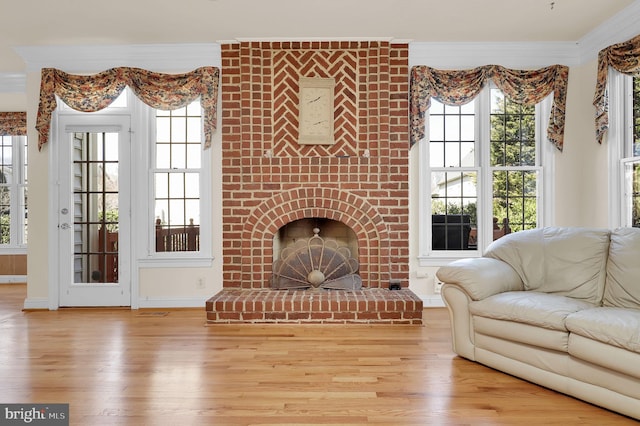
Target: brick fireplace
269,180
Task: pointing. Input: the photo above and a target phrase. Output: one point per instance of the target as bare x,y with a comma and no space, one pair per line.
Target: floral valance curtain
13,123
458,87
623,57
89,93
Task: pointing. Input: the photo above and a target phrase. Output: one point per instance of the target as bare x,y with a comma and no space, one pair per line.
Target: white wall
157,286
10,102
582,169
151,287
581,175
38,243
580,188
580,183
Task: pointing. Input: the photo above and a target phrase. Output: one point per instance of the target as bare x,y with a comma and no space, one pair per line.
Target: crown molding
13,82
461,55
620,27
96,58
303,39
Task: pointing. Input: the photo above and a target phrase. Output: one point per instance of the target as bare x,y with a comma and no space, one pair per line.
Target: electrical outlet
421,274
200,283
437,286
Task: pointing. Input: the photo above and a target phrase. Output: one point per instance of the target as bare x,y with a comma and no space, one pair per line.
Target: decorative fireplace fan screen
316,263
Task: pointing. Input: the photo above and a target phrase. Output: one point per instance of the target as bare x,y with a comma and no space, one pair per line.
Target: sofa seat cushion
614,326
607,359
529,307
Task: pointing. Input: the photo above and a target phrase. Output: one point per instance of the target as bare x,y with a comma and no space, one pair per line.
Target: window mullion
485,183
630,161
18,202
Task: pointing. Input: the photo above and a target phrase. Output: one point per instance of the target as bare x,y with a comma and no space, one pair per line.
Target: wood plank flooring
166,367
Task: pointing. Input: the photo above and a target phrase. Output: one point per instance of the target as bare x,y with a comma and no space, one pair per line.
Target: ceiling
82,22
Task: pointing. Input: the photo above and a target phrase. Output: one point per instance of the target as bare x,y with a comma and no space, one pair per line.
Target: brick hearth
371,306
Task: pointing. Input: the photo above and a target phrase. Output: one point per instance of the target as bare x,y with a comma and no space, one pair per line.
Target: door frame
54,257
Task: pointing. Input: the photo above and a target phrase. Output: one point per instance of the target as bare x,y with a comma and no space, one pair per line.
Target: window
177,177
13,192
484,173
630,152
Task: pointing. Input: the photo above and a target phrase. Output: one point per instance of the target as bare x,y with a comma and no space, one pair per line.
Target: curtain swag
457,87
13,123
623,57
92,93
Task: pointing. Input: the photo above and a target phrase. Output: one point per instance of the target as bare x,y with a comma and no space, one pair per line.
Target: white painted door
94,231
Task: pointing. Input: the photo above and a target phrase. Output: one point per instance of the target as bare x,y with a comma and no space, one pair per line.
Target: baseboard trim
36,303
432,301
13,279
173,303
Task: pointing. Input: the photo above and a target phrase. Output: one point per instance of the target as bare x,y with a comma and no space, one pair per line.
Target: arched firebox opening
303,228
316,253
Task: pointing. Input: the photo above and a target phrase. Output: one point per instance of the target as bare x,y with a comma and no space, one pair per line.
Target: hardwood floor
165,367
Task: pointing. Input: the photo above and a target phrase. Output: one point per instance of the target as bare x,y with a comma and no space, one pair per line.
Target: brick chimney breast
269,180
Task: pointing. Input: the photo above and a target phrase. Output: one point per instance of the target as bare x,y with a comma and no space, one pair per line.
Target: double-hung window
13,192
624,140
177,176
482,173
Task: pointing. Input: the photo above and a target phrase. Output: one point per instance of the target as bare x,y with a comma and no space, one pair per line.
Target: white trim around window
620,88
545,152
147,256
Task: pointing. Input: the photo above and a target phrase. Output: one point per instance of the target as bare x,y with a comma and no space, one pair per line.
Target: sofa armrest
481,277
457,303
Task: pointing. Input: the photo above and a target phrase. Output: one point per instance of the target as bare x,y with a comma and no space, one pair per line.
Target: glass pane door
94,224
95,219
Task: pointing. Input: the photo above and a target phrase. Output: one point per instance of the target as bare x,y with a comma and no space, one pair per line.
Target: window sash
454,212
521,197
631,191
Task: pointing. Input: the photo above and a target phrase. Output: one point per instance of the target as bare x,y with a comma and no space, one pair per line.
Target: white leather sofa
559,307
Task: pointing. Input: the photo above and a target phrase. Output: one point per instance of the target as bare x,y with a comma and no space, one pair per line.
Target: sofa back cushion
622,287
567,261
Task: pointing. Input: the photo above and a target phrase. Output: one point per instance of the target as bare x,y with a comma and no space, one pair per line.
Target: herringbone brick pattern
289,65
